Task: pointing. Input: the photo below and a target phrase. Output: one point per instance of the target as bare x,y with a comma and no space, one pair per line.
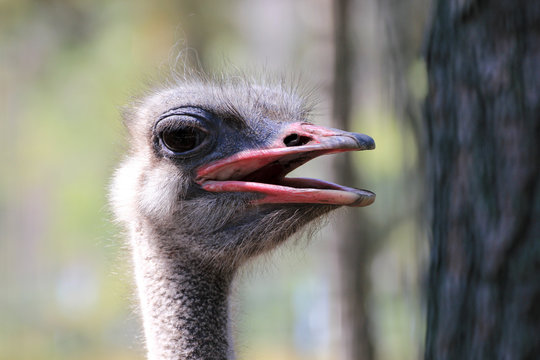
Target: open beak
263,171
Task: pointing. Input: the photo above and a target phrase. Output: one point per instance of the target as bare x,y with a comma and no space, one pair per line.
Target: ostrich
203,190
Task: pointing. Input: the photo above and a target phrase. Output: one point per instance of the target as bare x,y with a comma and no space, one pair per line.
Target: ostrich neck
184,307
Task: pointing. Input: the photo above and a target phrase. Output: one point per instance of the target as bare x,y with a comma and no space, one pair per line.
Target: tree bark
353,235
482,117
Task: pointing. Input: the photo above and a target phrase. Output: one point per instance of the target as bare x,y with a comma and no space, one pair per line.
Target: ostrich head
207,170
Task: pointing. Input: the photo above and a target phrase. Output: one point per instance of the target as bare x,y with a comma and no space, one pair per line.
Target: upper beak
332,138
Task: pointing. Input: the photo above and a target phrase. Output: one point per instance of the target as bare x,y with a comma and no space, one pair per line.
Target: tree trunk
353,235
483,121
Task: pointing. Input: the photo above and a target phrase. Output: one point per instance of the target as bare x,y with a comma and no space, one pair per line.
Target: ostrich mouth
263,171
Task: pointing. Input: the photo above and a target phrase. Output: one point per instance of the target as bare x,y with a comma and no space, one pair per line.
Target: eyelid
177,121
189,111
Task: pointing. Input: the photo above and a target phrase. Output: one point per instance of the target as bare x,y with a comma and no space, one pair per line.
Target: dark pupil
182,140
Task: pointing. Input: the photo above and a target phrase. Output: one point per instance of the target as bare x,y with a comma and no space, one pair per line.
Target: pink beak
263,171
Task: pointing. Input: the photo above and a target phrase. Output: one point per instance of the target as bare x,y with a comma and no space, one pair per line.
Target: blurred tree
483,127
354,253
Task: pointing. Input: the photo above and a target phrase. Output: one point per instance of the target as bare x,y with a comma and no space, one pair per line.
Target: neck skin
184,306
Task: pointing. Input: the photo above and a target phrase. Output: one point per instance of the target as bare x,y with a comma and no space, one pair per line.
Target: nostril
296,140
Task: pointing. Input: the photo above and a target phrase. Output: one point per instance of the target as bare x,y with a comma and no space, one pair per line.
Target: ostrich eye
183,139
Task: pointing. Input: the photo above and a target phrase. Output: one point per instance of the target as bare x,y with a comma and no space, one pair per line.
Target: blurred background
66,69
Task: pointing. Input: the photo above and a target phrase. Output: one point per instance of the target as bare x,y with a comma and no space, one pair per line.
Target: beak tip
365,142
